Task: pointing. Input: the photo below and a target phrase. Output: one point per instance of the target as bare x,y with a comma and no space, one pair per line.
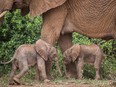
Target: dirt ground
55,85
64,83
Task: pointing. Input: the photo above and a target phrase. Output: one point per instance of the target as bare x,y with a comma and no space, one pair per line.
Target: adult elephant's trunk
3,13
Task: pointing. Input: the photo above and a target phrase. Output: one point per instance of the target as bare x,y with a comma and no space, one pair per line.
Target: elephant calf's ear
75,52
74,57
41,51
66,56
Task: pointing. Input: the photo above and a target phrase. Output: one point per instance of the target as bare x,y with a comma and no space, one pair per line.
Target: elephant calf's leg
48,65
13,72
97,68
79,66
23,69
41,67
36,72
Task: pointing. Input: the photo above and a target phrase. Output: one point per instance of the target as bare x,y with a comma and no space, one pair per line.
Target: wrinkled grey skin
91,54
28,55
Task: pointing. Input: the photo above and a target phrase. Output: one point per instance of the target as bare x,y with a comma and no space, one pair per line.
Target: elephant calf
91,54
32,55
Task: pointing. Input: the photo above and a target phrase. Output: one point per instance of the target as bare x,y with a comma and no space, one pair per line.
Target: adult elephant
93,18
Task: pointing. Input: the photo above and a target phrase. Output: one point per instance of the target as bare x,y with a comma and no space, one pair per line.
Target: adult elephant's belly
96,20
104,29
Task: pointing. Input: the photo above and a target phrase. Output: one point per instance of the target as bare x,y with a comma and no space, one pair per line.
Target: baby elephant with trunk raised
32,55
91,54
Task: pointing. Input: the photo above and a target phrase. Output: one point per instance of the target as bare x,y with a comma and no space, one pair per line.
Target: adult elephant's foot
16,80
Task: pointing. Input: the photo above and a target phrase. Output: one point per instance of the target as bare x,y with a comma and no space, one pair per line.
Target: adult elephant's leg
65,42
53,21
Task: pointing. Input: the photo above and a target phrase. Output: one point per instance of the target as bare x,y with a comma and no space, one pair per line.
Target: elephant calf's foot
46,80
16,80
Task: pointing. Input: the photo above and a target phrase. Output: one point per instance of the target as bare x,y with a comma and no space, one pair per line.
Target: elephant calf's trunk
58,68
64,67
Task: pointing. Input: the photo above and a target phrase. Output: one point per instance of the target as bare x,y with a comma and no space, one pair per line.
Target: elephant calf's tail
12,58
